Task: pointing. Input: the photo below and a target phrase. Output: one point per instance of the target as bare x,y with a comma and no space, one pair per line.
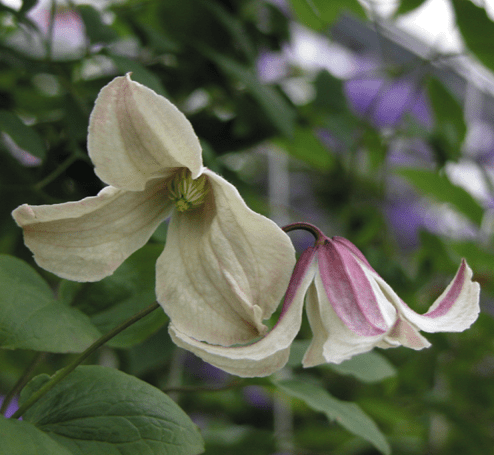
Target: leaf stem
23,380
64,372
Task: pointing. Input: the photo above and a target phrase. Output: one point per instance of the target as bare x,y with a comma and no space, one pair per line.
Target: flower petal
224,269
349,291
136,135
333,340
404,334
455,310
271,352
87,240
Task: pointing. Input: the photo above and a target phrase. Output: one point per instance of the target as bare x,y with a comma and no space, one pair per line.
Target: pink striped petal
349,290
455,310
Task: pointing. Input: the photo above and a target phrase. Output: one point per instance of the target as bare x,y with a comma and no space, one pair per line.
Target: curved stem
315,231
64,372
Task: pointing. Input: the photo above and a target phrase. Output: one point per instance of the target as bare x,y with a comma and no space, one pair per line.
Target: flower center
185,192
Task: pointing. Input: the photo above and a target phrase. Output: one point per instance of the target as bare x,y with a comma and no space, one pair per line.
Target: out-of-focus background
373,120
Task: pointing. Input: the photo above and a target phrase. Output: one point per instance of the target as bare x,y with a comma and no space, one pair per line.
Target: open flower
224,268
350,308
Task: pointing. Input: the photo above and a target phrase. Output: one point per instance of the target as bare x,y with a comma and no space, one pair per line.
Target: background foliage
366,165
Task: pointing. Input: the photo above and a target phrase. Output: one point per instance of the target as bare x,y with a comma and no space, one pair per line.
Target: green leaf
22,438
368,367
408,5
114,299
96,30
24,136
480,258
27,5
449,125
30,318
348,415
278,110
137,332
102,411
139,73
440,188
305,146
329,93
319,14
477,30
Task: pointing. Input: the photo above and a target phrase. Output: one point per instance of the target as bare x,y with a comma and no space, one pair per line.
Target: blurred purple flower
271,66
406,217
257,396
13,406
205,371
385,102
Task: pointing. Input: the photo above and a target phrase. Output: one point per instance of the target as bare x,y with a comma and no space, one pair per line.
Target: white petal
333,341
87,240
268,354
454,311
224,269
404,334
136,135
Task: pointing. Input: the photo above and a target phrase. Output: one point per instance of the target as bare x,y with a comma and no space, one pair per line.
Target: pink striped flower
351,309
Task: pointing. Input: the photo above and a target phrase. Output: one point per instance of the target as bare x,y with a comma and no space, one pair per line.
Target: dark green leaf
22,438
30,318
102,411
137,332
449,127
440,188
97,31
27,5
305,146
278,110
348,415
368,367
477,30
319,14
116,298
329,93
480,258
408,5
24,136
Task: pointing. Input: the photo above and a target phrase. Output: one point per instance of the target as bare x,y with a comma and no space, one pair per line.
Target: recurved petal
333,340
136,135
224,269
270,353
88,239
455,310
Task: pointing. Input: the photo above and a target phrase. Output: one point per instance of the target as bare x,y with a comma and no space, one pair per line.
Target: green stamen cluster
185,192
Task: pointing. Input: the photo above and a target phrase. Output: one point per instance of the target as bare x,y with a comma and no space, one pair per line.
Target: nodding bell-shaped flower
351,309
224,268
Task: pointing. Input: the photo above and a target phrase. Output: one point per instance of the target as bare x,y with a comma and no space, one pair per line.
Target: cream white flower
224,268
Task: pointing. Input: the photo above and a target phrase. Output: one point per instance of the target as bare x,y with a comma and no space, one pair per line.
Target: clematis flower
224,268
350,308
